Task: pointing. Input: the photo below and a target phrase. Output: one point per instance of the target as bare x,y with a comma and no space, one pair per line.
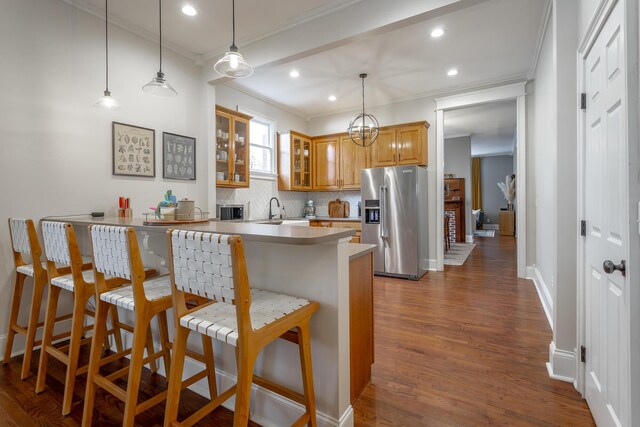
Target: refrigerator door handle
383,212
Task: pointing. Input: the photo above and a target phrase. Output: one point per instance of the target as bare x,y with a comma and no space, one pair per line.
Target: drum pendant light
364,128
106,102
232,64
158,85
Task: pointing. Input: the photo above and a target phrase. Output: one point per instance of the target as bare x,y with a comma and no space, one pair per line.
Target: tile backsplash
261,191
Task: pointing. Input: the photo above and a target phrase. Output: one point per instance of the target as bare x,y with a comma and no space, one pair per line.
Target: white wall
587,9
494,169
57,152
403,112
457,161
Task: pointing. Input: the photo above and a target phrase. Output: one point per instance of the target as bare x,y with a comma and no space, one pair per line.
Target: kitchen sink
270,222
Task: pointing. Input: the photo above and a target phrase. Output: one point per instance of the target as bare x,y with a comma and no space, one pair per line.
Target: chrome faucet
271,215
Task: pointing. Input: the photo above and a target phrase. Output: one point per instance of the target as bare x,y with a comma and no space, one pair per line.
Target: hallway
466,346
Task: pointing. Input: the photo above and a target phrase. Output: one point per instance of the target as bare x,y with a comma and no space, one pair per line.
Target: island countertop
267,233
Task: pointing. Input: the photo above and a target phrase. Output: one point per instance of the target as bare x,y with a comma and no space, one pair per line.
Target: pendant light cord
106,42
233,12
363,116
160,20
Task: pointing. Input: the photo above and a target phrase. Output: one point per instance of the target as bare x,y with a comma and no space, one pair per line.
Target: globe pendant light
364,128
106,102
232,64
158,85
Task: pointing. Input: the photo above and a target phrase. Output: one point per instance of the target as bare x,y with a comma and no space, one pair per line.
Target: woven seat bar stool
61,249
24,242
213,266
116,254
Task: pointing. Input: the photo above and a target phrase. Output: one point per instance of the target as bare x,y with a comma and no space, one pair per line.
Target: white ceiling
492,41
491,127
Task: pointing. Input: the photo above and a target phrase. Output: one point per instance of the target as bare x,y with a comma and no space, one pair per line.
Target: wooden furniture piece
401,145
25,244
116,254
354,224
232,148
507,223
454,206
63,253
326,166
361,350
214,266
447,232
295,162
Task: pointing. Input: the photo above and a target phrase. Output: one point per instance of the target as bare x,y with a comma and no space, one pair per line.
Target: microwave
230,212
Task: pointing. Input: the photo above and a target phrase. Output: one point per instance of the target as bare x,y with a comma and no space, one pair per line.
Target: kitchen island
307,262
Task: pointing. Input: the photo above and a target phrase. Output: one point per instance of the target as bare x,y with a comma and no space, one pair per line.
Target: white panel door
607,294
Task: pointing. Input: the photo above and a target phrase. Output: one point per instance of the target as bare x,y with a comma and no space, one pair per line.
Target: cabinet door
224,128
410,141
383,151
353,158
325,161
305,159
240,161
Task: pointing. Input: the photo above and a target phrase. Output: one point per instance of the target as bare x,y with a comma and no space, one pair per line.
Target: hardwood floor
465,347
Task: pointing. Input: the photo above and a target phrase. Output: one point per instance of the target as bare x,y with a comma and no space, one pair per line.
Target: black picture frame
178,157
133,150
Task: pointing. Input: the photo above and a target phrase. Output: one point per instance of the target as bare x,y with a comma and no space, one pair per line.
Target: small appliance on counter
309,210
230,212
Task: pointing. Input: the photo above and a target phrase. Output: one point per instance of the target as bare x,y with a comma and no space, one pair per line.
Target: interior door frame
512,91
598,21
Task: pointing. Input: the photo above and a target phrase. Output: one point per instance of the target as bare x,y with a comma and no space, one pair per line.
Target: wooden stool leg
49,323
77,327
34,313
175,376
207,351
304,345
117,333
140,335
99,331
153,365
246,360
164,341
13,316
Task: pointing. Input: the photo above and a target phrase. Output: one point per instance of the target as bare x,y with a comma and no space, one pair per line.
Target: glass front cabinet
232,148
294,162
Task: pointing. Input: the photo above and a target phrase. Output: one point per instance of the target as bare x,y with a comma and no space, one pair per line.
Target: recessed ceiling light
438,32
452,72
332,98
294,73
189,10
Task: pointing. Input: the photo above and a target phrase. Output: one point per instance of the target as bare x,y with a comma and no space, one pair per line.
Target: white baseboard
543,292
432,265
490,226
469,238
562,364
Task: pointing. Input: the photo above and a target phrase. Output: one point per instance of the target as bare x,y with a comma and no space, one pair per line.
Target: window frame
272,124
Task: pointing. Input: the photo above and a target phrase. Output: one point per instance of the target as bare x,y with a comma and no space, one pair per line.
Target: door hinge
583,101
583,354
583,228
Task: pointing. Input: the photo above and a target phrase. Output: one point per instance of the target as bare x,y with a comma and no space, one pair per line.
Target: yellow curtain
476,188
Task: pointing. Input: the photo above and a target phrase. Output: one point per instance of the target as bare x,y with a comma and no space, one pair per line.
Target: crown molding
84,6
458,135
542,30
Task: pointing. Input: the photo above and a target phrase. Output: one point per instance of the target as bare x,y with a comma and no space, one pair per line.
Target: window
262,146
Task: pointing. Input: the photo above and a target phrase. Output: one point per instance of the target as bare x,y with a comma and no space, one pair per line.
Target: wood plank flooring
465,347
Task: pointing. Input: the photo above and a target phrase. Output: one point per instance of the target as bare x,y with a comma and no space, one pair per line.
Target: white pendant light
106,102
232,64
364,128
158,85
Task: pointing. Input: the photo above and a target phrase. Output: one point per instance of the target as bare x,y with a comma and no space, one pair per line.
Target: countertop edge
356,250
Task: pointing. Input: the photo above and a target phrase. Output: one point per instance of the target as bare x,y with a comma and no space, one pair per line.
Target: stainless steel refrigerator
394,200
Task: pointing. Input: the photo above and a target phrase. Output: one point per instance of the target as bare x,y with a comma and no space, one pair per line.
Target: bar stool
213,266
116,253
61,249
24,241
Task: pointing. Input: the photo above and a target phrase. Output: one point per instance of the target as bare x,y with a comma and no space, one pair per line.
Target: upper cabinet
353,158
295,167
232,148
325,163
400,145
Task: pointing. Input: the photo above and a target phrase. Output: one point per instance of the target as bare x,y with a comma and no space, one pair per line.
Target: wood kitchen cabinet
353,158
295,162
400,145
326,163
354,224
232,148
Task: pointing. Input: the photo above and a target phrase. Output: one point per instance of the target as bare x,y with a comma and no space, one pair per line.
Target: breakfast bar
307,262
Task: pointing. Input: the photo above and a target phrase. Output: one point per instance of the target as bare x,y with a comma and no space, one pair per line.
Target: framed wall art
178,157
134,150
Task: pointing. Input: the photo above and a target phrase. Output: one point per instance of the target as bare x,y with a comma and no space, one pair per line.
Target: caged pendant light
158,85
364,128
232,64
106,102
